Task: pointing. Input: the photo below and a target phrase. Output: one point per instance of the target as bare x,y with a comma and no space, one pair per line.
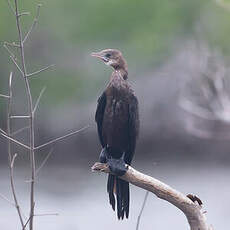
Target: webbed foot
117,166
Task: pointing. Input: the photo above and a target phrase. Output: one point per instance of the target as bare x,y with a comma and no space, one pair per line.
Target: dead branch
39,98
19,130
14,140
21,65
1,130
11,158
39,71
44,161
33,24
30,106
192,211
6,199
61,138
19,116
5,96
11,7
13,44
142,209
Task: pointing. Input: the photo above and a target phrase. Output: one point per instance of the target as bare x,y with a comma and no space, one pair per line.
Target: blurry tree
206,96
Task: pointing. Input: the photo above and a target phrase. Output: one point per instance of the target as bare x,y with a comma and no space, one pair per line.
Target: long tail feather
121,190
110,188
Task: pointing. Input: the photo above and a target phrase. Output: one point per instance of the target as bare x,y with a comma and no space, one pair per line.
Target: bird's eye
108,55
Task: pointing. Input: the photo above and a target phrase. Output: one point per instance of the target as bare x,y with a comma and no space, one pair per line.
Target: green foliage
144,30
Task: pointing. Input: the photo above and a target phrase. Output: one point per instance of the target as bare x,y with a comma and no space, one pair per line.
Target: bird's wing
133,127
101,103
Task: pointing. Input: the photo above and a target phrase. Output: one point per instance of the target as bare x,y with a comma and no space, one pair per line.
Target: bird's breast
115,121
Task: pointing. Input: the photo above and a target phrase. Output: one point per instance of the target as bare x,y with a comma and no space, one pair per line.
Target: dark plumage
118,125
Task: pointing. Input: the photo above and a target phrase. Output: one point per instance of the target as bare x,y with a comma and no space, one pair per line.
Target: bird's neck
122,69
122,73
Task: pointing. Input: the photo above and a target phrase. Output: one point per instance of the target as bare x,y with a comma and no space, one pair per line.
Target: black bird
117,120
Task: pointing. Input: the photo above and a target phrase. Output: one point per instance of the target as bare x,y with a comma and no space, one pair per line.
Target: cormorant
117,121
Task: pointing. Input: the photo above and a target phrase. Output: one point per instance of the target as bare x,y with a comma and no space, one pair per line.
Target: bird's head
111,57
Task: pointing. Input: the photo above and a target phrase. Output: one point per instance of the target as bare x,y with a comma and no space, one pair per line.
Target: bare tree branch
196,110
6,199
1,130
9,51
13,189
39,71
61,138
13,160
47,214
33,24
192,211
24,227
5,96
21,67
11,7
10,158
13,44
30,107
16,64
142,209
39,98
19,130
15,141
23,14
44,161
19,116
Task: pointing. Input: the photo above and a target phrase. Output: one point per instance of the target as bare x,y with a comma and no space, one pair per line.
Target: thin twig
23,14
39,98
19,116
39,71
33,24
142,209
44,161
1,130
61,138
16,64
15,141
10,84
19,130
28,221
6,199
10,158
11,7
9,51
24,227
12,44
5,96
47,214
30,108
13,160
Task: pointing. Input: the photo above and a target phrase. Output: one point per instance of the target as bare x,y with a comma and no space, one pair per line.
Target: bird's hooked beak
100,56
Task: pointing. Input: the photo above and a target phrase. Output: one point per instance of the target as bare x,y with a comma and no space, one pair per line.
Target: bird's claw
117,166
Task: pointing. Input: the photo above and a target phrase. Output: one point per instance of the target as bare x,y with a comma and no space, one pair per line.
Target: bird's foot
117,166
100,167
103,156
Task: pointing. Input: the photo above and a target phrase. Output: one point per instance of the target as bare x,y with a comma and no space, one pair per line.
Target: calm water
80,199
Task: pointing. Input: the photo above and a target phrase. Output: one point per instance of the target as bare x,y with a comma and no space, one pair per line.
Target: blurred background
178,57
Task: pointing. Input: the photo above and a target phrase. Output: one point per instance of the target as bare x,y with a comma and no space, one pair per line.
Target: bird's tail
120,188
